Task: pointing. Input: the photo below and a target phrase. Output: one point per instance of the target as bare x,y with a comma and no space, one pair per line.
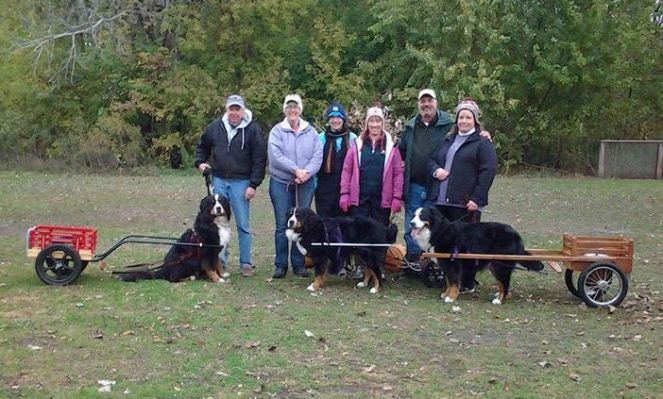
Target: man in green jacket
421,136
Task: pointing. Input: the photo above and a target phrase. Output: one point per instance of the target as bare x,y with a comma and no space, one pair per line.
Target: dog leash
207,173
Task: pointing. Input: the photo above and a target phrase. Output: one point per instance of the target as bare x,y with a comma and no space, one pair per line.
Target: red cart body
81,239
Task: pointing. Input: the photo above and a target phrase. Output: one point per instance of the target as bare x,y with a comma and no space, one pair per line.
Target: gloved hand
395,206
344,202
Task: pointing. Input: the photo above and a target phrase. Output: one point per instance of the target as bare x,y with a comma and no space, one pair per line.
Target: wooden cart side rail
577,263
541,257
567,236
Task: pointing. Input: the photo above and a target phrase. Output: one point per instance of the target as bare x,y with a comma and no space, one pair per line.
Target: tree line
118,83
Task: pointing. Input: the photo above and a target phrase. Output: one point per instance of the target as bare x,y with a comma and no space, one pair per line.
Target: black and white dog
212,229
435,233
305,227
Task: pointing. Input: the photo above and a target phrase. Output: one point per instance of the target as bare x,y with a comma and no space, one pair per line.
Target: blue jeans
283,198
234,190
416,198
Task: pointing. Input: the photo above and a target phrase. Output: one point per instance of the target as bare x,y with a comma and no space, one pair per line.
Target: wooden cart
603,264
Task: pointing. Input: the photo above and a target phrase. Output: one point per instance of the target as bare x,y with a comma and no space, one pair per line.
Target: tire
58,264
602,285
570,282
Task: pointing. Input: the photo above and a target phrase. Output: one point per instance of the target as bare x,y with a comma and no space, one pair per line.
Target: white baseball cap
293,98
427,92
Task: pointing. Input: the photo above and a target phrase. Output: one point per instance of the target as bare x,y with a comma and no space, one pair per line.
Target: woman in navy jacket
463,167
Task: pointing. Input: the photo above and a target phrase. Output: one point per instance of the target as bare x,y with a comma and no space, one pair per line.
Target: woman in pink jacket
372,177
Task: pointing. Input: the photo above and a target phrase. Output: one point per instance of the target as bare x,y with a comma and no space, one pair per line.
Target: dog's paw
220,280
373,290
448,299
361,284
311,287
497,301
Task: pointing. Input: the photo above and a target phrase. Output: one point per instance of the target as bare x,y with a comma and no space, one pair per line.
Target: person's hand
441,174
486,134
301,176
395,206
471,206
203,167
249,193
344,203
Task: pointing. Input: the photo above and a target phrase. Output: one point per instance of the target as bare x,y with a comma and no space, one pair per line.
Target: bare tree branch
45,43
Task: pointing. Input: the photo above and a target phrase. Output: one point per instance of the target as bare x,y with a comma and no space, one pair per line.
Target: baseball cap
235,99
427,92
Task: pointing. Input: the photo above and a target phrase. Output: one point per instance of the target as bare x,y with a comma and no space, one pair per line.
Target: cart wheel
570,282
602,284
58,264
432,275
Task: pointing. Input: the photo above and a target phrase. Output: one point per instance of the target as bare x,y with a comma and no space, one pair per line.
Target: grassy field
247,338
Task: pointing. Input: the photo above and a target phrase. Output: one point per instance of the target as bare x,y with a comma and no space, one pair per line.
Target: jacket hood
246,119
285,126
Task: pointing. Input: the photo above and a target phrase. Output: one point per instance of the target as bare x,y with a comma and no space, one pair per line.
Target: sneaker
224,271
413,257
466,290
303,273
247,270
279,272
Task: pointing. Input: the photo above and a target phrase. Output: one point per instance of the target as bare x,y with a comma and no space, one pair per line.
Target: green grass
246,338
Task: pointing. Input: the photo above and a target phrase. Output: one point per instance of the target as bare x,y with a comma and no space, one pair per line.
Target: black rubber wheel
602,285
58,264
570,282
432,275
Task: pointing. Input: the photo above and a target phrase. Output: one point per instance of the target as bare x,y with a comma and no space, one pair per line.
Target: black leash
207,173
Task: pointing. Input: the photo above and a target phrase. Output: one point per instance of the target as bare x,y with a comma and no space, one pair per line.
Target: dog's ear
225,203
308,218
436,218
205,203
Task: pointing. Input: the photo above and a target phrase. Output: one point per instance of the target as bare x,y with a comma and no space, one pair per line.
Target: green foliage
553,78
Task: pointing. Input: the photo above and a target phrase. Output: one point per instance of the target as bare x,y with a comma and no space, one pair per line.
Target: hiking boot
247,270
303,273
359,272
279,272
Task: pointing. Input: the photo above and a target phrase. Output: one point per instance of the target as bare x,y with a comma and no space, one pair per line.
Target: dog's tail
392,232
137,275
533,265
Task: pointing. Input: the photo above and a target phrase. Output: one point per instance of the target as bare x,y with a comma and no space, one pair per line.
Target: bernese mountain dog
305,227
211,229
435,233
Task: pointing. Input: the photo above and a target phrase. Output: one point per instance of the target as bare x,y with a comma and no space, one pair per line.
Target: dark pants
370,208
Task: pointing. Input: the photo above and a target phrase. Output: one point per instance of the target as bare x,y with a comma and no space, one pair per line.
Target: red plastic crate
82,239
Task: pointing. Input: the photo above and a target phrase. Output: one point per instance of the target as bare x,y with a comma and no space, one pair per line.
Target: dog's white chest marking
301,249
224,230
295,238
